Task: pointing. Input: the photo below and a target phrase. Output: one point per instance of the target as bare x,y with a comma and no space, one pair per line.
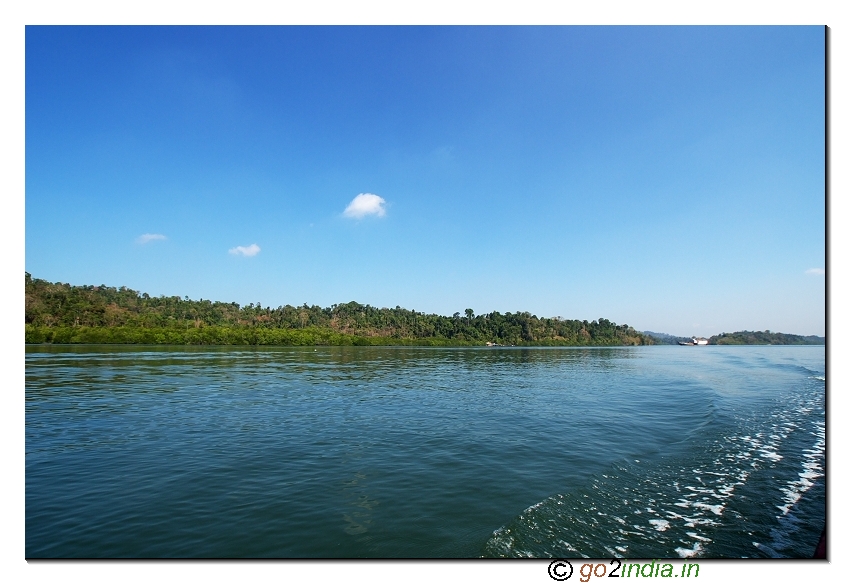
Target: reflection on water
360,505
392,451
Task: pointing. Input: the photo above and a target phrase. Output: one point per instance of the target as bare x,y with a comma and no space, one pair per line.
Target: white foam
767,550
701,493
716,509
535,506
567,546
812,470
687,553
727,490
698,537
771,455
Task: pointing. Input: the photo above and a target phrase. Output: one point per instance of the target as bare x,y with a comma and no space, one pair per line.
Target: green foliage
61,313
766,337
661,338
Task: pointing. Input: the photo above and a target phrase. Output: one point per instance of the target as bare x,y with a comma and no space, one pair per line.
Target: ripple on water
682,504
416,452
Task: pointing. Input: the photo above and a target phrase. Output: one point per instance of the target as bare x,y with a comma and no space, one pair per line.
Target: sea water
658,451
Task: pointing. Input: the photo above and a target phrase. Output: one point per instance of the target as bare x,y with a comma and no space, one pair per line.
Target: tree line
62,313
765,337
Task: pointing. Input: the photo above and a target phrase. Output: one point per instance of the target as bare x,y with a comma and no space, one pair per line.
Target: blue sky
670,178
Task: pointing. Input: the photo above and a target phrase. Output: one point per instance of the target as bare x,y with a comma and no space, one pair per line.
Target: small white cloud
365,204
816,271
148,237
248,251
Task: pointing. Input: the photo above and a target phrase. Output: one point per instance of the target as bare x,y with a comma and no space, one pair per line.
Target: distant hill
742,337
662,338
766,337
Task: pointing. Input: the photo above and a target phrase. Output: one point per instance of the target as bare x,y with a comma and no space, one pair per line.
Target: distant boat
695,342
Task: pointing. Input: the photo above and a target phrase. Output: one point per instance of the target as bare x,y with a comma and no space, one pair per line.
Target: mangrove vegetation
98,314
766,337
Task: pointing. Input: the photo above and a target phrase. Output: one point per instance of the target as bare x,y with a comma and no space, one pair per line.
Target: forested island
742,337
663,338
60,313
766,337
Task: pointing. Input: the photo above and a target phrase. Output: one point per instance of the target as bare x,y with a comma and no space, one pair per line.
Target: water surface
424,452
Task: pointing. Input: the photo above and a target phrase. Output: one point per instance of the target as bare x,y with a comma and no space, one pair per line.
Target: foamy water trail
811,469
680,508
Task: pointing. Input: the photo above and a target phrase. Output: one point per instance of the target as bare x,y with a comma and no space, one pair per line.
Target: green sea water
659,451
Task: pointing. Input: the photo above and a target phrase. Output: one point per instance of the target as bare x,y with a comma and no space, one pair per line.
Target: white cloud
365,204
148,237
248,251
816,271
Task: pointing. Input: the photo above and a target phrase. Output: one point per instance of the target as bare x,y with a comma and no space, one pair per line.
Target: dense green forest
743,337
766,337
662,338
62,313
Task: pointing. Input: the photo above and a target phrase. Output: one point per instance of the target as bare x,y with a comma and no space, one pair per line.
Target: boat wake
744,485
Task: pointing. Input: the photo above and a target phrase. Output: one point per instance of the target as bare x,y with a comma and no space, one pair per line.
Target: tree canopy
766,337
60,313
